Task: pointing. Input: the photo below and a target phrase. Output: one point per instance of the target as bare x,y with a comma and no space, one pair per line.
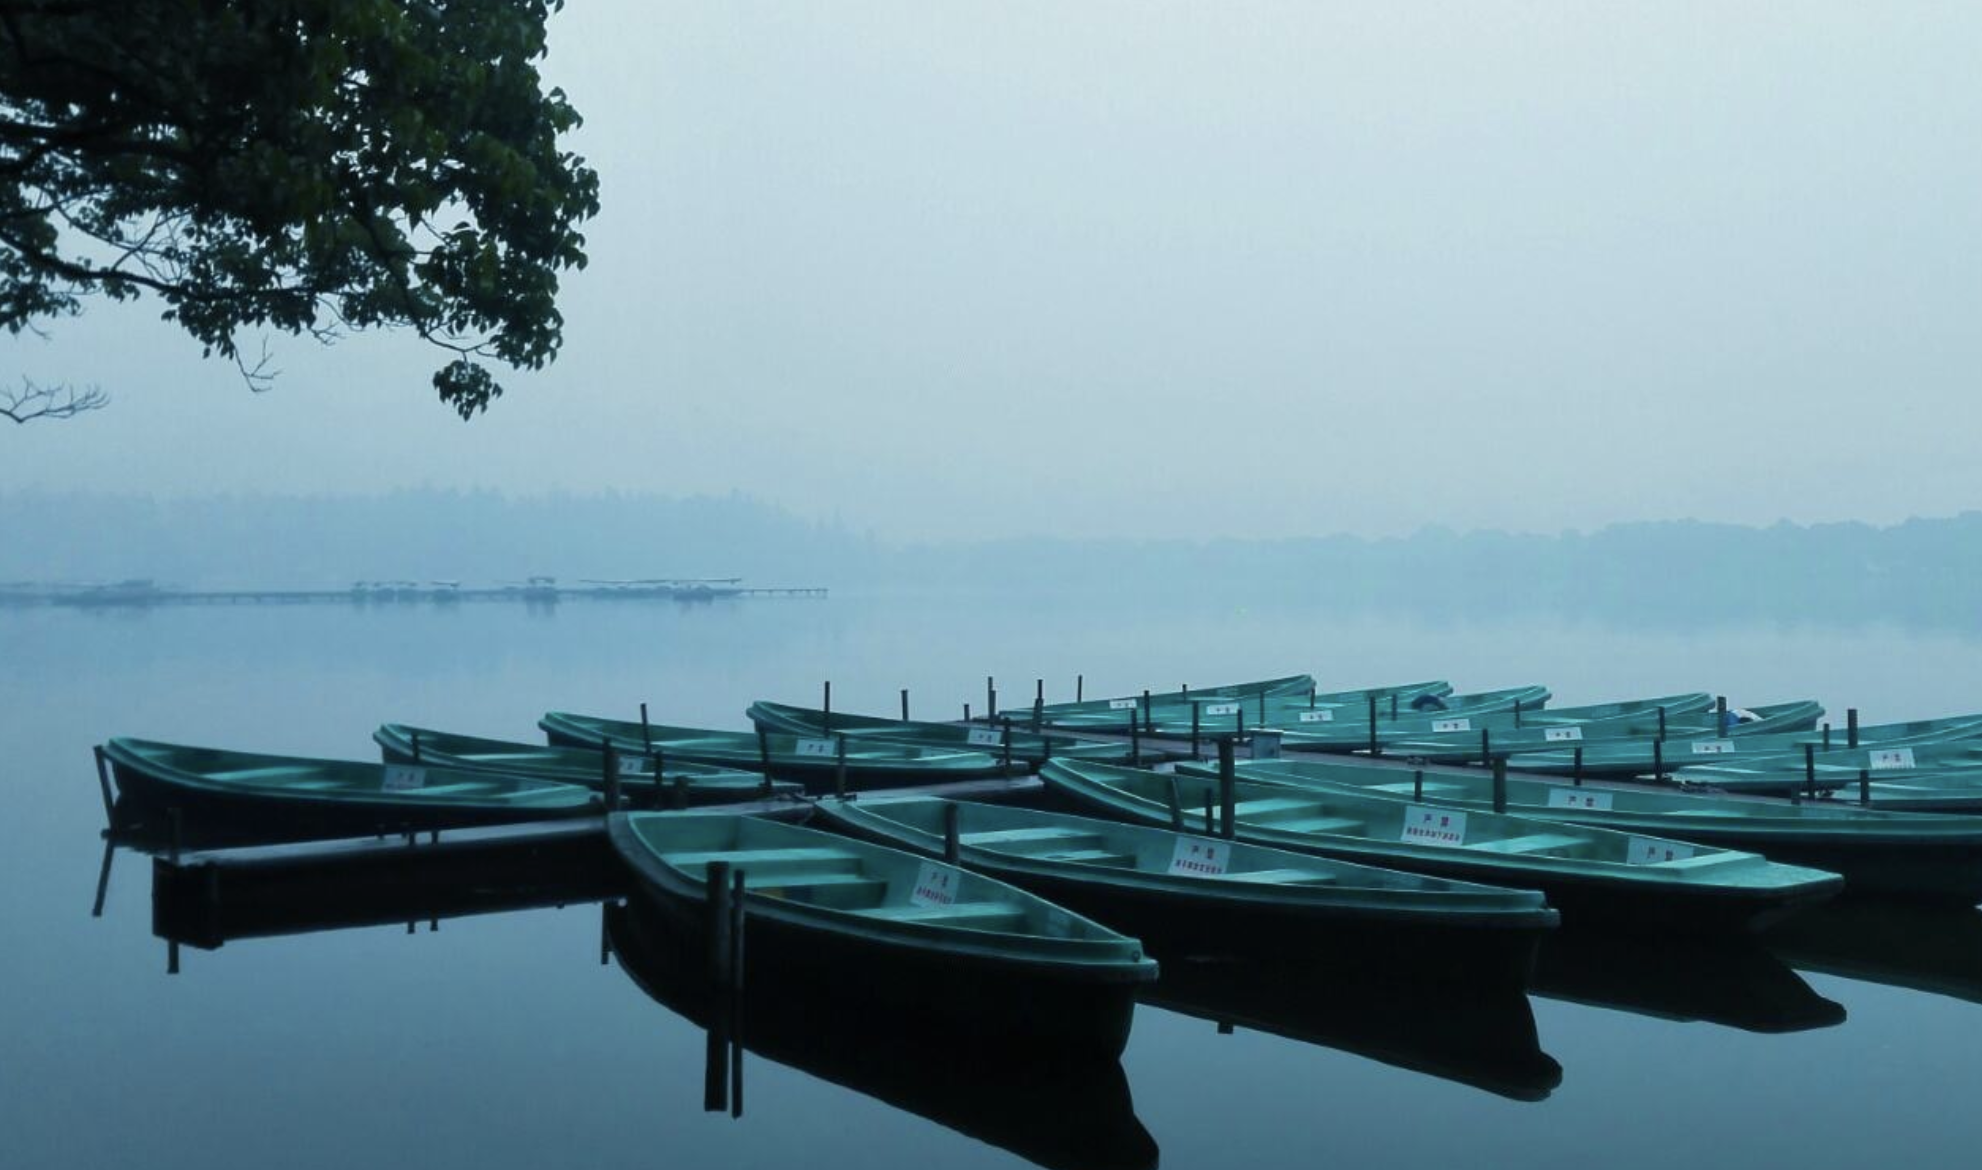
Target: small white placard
399,778
1561,734
1317,716
935,885
983,737
1121,704
1578,798
1424,825
1890,758
1651,851
1713,747
818,747
1199,856
1221,709
633,765
1452,725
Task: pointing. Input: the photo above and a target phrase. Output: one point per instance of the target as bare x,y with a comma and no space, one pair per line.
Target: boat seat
1531,843
1278,877
1407,788
1264,810
1704,860
1089,856
1319,825
976,915
256,774
1010,836
767,867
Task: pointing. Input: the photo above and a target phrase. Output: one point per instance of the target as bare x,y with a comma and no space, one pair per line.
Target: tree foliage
310,166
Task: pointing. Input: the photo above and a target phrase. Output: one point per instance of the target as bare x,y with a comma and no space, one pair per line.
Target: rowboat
1462,713
331,795
1032,1097
1907,790
1163,884
917,936
1026,747
1111,715
1593,876
1644,758
1886,853
677,785
1483,1037
1556,728
1110,709
1605,745
814,762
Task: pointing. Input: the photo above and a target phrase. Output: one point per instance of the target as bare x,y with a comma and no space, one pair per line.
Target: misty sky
962,270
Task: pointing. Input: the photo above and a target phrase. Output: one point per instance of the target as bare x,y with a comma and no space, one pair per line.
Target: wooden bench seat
1532,843
976,915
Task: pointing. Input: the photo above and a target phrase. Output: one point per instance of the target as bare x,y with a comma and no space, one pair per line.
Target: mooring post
990,699
1080,688
1827,735
1810,770
646,731
1227,787
839,766
966,712
904,704
1311,695
1005,745
103,782
1038,702
764,752
718,893
1135,741
1720,714
1393,704
1864,786
609,758
739,915
1517,712
1176,806
1374,749
1418,785
416,747
1578,774
1661,721
826,707
1851,727
1262,708
1148,717
952,839
1500,784
1196,710
1658,760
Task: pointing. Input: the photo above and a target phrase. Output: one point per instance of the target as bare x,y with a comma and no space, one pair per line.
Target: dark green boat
1228,895
680,784
1056,714
812,761
1593,876
1465,714
1557,728
929,940
1887,853
293,792
1028,748
1175,706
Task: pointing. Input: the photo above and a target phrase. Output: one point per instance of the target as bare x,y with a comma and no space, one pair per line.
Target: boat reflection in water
1053,1109
1734,982
1480,1037
1933,949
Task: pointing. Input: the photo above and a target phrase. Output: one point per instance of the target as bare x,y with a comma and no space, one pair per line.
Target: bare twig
32,401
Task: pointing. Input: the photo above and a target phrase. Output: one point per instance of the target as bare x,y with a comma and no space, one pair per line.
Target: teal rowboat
1045,1104
1607,747
1232,896
1641,758
330,796
811,761
679,784
1909,790
902,933
1886,853
1593,876
1351,730
1112,710
1028,748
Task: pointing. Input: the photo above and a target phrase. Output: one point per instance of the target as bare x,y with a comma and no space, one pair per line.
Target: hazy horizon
976,272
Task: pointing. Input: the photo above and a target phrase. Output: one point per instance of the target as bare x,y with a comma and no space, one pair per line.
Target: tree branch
34,401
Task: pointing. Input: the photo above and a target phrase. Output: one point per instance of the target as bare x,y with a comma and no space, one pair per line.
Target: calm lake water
500,1040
